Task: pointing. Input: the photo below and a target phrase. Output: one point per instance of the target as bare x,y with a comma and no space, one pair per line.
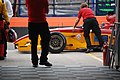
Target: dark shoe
35,65
2,58
45,63
88,50
100,48
5,55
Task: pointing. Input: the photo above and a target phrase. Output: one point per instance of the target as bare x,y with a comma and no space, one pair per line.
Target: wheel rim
56,42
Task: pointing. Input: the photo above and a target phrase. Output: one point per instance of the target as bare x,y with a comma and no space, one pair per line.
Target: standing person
37,25
90,22
10,14
3,19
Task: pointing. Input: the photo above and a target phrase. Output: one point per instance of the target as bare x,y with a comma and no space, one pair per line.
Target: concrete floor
66,66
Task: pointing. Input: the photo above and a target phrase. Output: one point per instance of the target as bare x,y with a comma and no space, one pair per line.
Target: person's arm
78,18
5,13
76,22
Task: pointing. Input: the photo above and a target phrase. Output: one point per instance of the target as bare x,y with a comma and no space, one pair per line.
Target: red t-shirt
111,18
86,13
37,10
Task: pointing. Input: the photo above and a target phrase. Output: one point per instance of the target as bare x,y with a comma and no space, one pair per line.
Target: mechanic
37,25
111,17
90,22
3,19
10,14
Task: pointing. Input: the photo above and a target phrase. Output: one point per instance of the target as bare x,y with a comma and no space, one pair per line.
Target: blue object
104,37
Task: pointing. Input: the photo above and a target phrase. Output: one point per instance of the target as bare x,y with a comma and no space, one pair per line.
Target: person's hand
73,30
8,23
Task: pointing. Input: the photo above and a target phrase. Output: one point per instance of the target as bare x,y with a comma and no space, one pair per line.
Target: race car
65,38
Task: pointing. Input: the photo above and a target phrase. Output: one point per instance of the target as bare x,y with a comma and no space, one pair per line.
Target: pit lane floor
66,66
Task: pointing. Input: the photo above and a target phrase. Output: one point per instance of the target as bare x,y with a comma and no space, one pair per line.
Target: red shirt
37,10
85,13
111,18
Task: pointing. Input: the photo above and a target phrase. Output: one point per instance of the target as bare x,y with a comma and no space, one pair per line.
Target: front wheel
57,42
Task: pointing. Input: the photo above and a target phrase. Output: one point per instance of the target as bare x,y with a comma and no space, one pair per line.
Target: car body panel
74,39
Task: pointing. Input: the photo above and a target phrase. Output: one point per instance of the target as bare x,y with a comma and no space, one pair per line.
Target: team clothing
90,22
86,13
38,26
37,12
3,12
111,18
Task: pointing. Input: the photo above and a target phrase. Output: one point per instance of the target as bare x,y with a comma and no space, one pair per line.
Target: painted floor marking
95,57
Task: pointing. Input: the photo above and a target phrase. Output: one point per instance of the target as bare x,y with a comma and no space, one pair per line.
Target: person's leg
87,27
5,39
5,44
5,48
86,34
45,38
33,36
34,56
1,45
97,32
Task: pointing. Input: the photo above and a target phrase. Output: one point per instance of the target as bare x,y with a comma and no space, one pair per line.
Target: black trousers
3,35
41,29
92,24
5,43
4,40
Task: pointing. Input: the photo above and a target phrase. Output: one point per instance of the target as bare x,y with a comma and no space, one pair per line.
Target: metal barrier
113,54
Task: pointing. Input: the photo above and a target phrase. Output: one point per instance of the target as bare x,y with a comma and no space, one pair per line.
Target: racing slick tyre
57,42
